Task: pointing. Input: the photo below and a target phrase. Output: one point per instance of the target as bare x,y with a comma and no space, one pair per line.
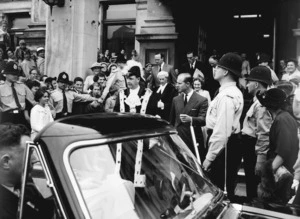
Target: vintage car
121,166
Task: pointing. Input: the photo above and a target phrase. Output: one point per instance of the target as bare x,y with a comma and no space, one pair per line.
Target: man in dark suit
12,148
130,99
161,66
161,99
192,64
189,107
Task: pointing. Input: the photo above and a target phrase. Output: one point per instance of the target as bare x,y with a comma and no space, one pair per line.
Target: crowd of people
240,115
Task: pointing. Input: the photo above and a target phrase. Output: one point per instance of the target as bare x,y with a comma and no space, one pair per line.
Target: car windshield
142,178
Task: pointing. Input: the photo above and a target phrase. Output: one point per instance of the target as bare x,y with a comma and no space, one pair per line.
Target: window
119,28
139,178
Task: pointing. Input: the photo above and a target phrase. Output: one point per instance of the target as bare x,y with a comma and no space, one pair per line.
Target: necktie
15,95
65,104
185,100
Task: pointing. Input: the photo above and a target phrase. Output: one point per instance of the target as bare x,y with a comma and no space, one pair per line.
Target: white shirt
189,95
161,88
39,118
288,77
223,117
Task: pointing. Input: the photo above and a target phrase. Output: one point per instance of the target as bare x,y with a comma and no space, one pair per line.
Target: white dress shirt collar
189,95
161,88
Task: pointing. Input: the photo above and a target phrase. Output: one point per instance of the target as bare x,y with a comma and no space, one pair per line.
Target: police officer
62,99
222,121
12,96
256,128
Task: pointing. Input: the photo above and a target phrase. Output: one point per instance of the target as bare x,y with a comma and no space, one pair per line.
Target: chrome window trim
69,149
49,178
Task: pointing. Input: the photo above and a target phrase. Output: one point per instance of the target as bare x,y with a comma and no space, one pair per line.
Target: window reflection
140,179
120,37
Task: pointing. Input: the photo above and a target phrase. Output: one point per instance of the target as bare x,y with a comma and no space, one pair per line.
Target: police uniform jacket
56,99
7,100
223,117
257,124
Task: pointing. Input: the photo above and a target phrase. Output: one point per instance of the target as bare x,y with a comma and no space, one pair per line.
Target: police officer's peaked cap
11,68
231,62
260,74
63,77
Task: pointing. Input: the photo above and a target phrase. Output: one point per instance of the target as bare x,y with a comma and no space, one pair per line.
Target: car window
141,178
38,198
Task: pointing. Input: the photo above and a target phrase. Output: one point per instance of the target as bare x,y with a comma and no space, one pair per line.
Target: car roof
63,132
103,124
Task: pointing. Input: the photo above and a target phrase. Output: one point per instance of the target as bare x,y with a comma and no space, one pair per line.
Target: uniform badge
64,76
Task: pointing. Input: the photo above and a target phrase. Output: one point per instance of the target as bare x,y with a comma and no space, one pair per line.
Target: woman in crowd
291,71
198,84
40,114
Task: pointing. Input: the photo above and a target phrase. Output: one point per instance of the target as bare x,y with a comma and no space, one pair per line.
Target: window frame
31,145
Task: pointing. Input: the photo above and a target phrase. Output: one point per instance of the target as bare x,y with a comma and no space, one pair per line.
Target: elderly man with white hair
161,99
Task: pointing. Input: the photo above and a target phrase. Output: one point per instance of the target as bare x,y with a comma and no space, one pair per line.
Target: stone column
72,38
155,30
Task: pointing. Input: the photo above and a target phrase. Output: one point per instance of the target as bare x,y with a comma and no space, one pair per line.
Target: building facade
73,34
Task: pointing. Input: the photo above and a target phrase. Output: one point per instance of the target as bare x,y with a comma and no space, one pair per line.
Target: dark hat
273,98
286,86
263,58
231,62
260,74
11,68
134,71
63,77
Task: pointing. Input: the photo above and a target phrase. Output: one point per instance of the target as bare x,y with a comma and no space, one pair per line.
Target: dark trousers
249,161
217,169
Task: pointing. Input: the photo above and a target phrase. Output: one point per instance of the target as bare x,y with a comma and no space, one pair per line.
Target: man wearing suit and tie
189,107
192,64
161,66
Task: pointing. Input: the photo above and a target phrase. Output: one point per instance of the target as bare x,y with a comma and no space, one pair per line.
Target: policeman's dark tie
65,104
15,95
185,100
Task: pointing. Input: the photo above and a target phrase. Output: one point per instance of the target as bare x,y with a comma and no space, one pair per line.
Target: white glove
295,184
160,104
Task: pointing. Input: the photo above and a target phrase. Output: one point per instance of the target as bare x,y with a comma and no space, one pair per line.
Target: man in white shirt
255,131
222,122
